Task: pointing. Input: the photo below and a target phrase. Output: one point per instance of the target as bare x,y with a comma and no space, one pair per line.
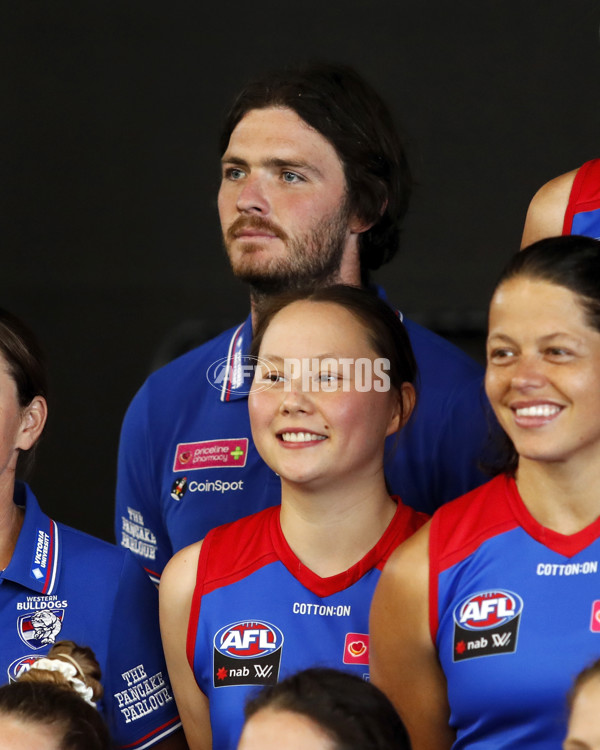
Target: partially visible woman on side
52,705
567,204
58,583
584,711
482,620
322,709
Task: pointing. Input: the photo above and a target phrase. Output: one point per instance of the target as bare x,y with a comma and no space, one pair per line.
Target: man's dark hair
348,112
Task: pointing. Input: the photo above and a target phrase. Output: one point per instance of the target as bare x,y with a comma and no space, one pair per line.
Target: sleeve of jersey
463,438
140,709
584,195
138,519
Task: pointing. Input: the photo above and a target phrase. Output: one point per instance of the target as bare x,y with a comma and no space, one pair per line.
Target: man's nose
252,197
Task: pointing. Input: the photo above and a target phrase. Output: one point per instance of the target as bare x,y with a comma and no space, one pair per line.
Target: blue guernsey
515,616
62,584
258,614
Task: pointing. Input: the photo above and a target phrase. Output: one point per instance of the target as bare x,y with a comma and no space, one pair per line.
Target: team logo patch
211,454
487,623
356,648
247,653
237,373
595,620
39,629
20,666
179,488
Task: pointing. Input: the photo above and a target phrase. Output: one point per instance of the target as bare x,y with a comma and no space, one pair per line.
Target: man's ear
358,225
33,419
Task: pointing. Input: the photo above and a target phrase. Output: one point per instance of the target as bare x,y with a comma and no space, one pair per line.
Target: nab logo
488,609
248,640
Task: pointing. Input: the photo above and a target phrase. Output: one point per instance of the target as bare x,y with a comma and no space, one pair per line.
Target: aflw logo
501,640
247,653
263,672
486,624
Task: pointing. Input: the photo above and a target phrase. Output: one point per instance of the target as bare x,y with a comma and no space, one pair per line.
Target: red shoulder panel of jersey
461,526
229,553
585,192
405,523
234,550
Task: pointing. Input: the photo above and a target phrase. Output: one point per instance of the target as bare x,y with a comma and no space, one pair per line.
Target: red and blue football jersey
258,614
515,616
583,210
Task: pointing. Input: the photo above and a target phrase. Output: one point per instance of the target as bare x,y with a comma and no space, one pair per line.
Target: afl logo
20,666
248,639
488,609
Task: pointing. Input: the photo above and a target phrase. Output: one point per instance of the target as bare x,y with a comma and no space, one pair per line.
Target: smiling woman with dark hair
482,620
290,587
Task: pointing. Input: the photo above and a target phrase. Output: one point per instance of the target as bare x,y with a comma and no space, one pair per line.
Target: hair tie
73,661
69,672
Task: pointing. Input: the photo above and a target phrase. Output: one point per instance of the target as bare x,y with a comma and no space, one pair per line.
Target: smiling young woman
290,587
482,620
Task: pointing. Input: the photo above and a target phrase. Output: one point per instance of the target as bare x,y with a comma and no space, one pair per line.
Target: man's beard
311,260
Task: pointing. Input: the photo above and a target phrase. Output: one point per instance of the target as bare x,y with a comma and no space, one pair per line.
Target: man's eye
234,173
291,177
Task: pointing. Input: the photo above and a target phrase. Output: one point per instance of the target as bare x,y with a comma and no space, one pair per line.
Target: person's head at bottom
584,711
51,706
322,709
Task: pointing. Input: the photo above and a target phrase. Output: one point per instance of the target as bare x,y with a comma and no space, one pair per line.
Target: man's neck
348,273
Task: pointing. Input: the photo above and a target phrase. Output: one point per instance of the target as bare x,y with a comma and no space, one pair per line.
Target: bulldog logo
38,629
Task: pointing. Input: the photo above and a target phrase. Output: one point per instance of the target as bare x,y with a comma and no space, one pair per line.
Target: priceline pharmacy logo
309,374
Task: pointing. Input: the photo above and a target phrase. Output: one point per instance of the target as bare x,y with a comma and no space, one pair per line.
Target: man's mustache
254,222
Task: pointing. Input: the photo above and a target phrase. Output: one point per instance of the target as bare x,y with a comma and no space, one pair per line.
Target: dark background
109,171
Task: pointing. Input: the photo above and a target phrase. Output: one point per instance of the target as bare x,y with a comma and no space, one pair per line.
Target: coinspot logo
239,374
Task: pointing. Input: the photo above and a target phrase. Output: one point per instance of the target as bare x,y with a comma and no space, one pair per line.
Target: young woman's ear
404,405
